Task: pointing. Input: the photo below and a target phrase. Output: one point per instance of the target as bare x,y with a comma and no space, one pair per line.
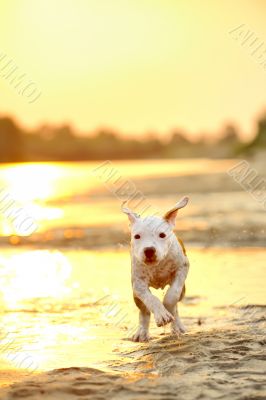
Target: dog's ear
131,215
170,216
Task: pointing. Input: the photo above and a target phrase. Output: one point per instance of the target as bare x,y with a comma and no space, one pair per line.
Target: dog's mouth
150,260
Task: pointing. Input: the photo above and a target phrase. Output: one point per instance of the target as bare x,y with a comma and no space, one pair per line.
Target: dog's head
152,237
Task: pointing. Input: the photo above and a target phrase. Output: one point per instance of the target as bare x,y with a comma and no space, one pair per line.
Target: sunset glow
135,66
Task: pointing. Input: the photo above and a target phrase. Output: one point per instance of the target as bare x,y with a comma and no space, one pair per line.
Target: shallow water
66,308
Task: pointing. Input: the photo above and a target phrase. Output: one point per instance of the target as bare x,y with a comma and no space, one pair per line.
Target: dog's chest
160,276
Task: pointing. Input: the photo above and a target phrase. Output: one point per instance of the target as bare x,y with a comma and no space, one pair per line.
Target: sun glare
30,182
35,274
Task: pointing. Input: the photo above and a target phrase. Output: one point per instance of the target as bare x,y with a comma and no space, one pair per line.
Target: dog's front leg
142,334
173,295
161,314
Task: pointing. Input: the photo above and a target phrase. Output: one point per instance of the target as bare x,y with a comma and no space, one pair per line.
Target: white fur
168,265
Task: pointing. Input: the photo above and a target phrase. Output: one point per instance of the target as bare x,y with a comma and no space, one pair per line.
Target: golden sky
135,65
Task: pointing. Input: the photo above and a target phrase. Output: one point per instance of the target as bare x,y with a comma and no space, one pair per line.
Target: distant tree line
50,143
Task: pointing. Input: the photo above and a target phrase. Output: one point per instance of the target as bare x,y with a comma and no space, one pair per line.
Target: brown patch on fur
141,305
182,245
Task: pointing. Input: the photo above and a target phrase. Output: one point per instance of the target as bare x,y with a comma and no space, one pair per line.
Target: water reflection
74,308
29,182
33,275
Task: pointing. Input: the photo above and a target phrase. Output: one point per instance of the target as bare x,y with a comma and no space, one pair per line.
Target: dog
158,259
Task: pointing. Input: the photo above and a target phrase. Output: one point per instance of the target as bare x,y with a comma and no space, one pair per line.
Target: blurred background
172,89
173,94
122,80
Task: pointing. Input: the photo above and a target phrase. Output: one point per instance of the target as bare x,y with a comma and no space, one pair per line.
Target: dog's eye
137,236
162,235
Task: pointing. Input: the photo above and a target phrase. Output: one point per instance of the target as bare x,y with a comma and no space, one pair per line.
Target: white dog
158,259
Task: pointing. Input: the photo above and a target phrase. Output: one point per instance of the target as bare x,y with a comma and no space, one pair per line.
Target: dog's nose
149,252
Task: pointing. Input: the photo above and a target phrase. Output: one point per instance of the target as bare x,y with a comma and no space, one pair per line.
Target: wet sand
221,356
222,363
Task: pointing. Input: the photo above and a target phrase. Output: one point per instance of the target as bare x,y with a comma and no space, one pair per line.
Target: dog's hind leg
176,326
142,334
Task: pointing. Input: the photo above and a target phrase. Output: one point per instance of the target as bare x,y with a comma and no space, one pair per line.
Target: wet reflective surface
64,308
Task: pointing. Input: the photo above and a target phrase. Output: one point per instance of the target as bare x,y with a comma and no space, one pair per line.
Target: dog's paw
141,336
178,328
163,317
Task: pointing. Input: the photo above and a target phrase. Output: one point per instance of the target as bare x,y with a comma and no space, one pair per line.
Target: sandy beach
204,364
